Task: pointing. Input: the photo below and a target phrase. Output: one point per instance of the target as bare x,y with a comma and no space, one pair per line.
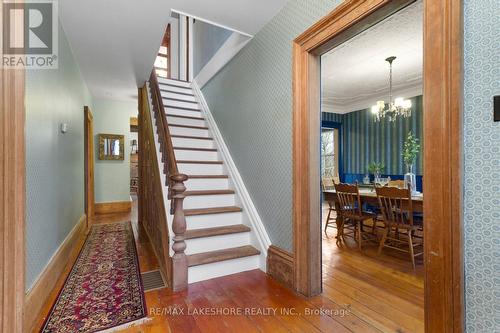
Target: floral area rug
104,288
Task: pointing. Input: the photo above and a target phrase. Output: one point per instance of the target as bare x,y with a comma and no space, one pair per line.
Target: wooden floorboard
362,292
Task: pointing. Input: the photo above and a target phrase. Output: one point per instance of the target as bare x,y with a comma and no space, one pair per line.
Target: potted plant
411,148
376,168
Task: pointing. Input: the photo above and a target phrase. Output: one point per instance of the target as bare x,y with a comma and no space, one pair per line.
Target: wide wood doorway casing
443,86
89,164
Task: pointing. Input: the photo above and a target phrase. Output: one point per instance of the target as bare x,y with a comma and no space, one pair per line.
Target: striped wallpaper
365,140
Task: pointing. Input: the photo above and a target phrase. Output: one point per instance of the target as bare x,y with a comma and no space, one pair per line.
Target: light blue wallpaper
482,166
112,178
251,102
54,161
207,40
251,99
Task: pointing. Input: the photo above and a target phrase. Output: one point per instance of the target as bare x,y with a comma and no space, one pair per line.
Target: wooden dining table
368,196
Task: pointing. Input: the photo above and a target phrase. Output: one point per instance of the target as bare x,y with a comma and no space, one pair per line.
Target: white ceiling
247,16
115,41
355,74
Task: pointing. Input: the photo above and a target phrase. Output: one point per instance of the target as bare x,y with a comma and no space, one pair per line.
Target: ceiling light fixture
394,108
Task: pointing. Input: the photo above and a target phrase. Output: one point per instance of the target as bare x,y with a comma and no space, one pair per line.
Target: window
329,153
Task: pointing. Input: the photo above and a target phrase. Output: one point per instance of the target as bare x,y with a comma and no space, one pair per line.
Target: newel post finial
179,259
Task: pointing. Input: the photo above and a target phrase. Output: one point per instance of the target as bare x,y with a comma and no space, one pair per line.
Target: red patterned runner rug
104,288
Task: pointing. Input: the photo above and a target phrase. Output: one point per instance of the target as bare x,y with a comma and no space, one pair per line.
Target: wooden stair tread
213,210
189,126
216,231
179,100
176,92
191,137
207,176
195,149
181,108
198,162
186,117
174,85
163,79
221,255
208,192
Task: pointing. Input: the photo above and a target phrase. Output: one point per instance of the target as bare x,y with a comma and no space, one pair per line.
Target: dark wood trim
113,207
12,197
152,217
89,164
443,80
280,266
443,203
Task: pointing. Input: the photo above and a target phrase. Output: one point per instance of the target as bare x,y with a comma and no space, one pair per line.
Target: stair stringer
163,177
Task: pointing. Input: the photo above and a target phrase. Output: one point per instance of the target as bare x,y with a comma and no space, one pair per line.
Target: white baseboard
248,205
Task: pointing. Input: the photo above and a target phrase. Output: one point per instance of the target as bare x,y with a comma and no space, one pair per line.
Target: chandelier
394,108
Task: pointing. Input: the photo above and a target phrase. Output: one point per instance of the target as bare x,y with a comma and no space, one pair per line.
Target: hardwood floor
361,293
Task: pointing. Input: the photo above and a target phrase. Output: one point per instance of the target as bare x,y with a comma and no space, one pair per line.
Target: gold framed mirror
111,147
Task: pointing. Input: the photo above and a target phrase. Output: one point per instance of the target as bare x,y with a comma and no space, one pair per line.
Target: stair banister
176,188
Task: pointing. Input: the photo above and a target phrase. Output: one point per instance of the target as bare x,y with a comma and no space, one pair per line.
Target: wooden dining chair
353,217
397,211
327,184
396,183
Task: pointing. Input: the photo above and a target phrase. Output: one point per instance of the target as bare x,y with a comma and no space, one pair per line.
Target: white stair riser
174,82
164,88
187,98
209,201
196,155
200,169
181,112
186,121
176,104
189,131
192,143
213,220
206,184
204,244
222,268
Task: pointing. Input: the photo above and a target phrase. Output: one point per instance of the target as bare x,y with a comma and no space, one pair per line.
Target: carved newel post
179,260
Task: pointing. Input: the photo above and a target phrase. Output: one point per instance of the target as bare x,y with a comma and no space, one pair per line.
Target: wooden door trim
443,82
89,165
12,198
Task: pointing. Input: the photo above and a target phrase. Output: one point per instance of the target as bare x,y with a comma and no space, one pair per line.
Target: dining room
372,171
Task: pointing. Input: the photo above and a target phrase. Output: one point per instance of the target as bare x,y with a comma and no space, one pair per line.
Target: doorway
443,81
89,164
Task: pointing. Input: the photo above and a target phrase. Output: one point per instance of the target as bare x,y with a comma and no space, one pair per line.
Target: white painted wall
174,48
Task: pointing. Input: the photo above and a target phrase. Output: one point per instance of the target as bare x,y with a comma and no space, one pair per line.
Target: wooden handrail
176,188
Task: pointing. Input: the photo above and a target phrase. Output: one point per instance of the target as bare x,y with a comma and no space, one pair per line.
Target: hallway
376,299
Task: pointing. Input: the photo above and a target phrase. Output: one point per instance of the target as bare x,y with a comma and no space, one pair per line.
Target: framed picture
111,147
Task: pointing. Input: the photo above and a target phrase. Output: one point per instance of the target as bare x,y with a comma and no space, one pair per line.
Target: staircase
219,240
